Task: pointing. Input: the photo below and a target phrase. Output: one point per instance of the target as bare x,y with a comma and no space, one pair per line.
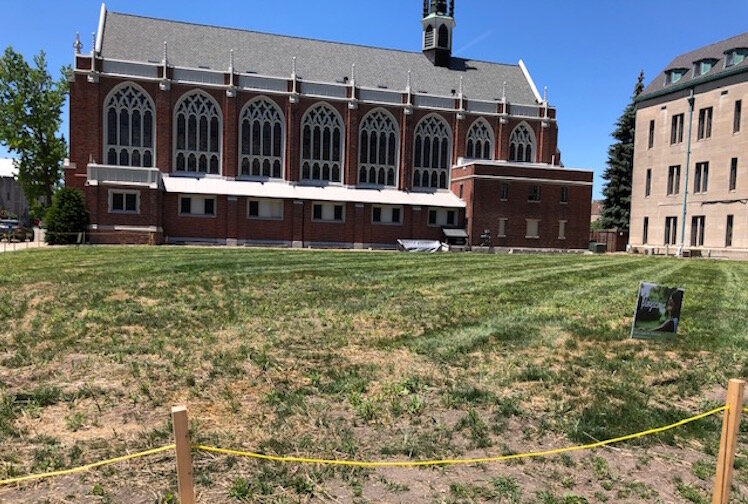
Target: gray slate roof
686,61
136,38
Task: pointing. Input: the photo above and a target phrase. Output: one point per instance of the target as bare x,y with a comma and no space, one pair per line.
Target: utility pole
691,101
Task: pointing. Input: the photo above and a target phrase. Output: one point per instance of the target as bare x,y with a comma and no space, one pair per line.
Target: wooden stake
184,455
728,442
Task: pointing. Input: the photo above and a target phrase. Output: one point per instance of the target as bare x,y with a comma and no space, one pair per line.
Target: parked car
11,230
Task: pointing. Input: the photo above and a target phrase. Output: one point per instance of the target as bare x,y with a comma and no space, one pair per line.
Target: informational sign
657,312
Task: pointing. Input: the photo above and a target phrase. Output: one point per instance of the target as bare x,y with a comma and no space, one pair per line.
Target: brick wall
481,187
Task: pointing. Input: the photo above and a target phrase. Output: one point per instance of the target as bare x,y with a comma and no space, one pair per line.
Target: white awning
281,190
455,233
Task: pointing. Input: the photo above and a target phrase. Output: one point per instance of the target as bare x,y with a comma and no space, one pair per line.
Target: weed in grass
546,497
240,490
467,395
75,421
690,493
367,409
704,469
638,489
286,402
507,488
478,429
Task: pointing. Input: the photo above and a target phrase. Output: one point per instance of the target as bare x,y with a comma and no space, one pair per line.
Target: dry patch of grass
358,355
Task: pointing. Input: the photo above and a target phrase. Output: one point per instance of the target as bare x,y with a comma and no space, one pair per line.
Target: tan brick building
691,155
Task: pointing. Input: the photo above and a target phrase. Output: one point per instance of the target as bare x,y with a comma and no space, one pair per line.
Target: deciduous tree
30,116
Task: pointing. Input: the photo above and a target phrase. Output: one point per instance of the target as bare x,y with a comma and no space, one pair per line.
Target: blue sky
588,53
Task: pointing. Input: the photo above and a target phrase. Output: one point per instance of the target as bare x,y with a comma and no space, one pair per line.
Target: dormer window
702,67
735,56
673,76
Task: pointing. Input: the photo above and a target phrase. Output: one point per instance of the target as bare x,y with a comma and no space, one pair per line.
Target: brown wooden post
184,456
728,442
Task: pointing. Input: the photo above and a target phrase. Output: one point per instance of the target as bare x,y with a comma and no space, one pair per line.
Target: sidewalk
15,246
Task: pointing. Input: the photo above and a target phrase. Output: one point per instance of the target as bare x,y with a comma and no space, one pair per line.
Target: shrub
67,217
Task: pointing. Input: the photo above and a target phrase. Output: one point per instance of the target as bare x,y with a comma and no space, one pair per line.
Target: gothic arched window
261,139
322,134
432,153
443,36
378,149
522,144
428,40
129,124
479,141
197,130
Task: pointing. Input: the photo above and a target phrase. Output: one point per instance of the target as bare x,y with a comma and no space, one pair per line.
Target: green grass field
362,355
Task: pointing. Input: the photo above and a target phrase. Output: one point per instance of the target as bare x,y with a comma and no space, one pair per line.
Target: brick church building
190,133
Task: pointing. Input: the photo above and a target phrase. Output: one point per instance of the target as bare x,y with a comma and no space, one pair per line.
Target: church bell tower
438,26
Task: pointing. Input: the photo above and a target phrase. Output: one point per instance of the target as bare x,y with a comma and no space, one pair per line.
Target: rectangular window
124,202
461,191
673,180
266,209
502,228
327,212
671,225
562,230
697,231
185,205
733,173
197,205
648,183
504,192
736,116
386,215
701,178
645,231
564,194
534,193
651,133
676,129
442,217
705,123
728,231
209,207
533,226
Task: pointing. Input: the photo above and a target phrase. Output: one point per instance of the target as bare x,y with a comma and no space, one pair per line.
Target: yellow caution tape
365,464
87,467
443,462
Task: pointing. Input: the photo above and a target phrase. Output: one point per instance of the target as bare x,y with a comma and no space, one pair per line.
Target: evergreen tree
66,217
617,203
30,115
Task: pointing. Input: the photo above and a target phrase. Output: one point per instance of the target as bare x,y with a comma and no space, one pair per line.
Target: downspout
691,100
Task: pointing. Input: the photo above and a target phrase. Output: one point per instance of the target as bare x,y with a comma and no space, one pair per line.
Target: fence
615,241
183,448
